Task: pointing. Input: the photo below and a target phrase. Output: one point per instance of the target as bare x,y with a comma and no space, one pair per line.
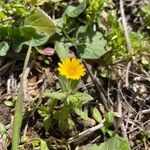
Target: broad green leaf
17,37
96,114
38,39
40,21
114,143
75,11
84,97
92,45
56,95
62,50
4,47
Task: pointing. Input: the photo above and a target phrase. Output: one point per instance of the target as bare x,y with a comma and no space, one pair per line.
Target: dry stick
124,24
120,121
128,43
127,74
19,106
146,111
100,93
85,133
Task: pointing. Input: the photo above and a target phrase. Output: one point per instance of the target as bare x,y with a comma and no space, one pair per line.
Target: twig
130,107
122,115
127,74
124,24
85,133
100,90
147,111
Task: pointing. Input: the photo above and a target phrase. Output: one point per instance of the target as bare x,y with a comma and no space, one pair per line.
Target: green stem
19,107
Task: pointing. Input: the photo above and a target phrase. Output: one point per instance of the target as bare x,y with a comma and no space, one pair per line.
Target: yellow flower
71,68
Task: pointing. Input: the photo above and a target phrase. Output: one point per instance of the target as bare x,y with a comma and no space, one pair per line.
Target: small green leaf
43,145
75,11
40,21
47,122
56,95
84,97
114,143
70,123
43,111
96,114
24,138
4,47
144,60
3,132
35,143
62,50
81,113
9,103
109,118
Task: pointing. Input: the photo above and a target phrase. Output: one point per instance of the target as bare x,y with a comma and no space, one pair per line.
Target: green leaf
92,45
9,103
47,122
63,121
81,113
3,132
96,114
17,37
62,50
114,143
4,47
109,118
75,11
40,21
144,60
84,97
43,111
43,145
146,9
73,84
56,95
36,2
35,143
38,39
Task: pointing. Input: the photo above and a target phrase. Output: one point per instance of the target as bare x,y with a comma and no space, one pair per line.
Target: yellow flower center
72,71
